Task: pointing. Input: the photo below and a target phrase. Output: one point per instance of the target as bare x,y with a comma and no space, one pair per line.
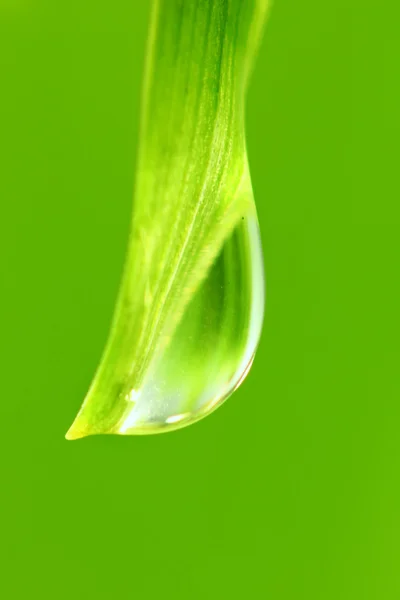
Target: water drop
212,349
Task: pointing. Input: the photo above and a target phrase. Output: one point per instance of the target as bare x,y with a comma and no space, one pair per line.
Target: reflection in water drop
212,349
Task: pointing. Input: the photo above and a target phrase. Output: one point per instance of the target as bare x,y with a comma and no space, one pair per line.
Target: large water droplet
212,349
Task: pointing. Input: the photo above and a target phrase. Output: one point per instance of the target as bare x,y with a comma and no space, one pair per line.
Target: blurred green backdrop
291,489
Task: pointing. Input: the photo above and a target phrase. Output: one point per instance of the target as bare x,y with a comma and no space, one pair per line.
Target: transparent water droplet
213,347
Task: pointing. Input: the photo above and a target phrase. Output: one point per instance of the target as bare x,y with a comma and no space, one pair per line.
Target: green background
291,489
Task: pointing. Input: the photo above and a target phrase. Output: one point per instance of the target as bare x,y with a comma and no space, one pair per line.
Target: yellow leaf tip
75,433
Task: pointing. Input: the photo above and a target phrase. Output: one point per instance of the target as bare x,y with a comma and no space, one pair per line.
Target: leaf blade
193,186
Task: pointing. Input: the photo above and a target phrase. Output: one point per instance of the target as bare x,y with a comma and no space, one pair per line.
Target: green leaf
189,311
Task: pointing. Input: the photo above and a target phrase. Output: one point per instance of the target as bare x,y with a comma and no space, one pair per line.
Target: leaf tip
75,432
